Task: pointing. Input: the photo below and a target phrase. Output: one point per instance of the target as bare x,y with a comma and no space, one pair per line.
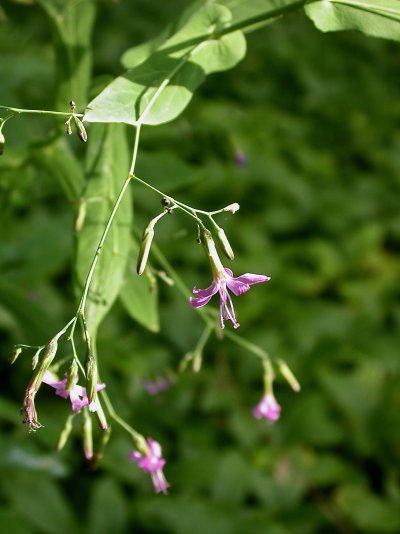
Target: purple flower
152,463
77,394
154,387
224,280
267,408
240,158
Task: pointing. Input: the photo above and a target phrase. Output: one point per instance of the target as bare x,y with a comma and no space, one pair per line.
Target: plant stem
81,307
19,111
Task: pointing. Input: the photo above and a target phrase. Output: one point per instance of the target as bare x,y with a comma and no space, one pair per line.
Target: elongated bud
81,129
233,208
224,243
34,385
68,125
65,433
145,247
289,376
91,379
35,359
15,353
147,240
2,143
100,416
87,435
72,377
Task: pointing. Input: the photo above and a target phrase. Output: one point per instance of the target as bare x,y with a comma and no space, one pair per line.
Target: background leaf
177,67
380,18
107,167
139,294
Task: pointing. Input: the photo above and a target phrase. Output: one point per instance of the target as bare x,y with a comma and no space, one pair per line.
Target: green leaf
139,295
159,89
367,511
379,18
107,510
59,160
107,169
72,23
39,501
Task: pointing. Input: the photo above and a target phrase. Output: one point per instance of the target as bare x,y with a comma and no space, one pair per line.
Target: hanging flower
152,463
223,280
77,394
268,408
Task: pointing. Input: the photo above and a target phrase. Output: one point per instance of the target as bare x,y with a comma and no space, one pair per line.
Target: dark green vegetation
317,118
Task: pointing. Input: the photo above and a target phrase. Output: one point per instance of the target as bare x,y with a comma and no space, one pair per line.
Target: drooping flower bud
34,385
233,208
87,435
15,353
65,433
289,376
147,240
224,243
145,247
100,416
91,380
81,129
72,377
2,143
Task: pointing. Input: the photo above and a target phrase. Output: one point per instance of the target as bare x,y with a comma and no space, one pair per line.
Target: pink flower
77,394
267,408
223,280
152,463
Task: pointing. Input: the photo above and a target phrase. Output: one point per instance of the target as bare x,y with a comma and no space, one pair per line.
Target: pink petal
199,302
208,292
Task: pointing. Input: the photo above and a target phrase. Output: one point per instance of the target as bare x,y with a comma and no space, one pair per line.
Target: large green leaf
107,168
72,23
380,18
139,295
158,89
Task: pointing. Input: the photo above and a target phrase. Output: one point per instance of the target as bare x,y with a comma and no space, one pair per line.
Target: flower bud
224,243
81,129
145,247
287,373
72,375
65,433
100,416
233,208
2,143
87,435
15,353
91,379
105,438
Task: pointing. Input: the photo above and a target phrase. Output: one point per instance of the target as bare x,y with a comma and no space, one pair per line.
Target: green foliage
106,170
319,191
379,18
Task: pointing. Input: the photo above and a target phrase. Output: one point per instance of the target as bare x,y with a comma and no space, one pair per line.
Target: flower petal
249,278
199,302
237,287
208,292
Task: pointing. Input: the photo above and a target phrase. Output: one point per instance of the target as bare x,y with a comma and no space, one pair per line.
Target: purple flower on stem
154,387
77,394
267,408
222,281
152,463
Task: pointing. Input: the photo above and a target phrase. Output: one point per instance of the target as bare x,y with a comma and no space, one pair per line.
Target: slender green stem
19,111
138,438
81,307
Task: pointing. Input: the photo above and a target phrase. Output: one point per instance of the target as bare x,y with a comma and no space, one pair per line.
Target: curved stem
81,307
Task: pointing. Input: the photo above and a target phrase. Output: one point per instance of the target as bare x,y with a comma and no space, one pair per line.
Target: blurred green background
314,119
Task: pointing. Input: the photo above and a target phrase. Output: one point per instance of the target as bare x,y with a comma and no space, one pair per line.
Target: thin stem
81,307
138,438
19,111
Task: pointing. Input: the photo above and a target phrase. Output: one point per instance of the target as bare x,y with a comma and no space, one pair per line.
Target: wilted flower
152,463
267,408
222,281
77,394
